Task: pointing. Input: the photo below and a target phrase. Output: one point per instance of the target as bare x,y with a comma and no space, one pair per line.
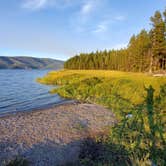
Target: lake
19,91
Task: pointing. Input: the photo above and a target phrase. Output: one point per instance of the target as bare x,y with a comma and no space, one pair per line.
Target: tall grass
120,91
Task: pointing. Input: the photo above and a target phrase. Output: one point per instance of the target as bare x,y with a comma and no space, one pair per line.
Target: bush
100,152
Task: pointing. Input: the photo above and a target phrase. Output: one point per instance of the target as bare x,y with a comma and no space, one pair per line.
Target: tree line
146,51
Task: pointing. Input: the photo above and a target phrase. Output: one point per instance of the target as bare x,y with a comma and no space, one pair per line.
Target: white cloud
87,8
82,18
35,4
41,4
101,27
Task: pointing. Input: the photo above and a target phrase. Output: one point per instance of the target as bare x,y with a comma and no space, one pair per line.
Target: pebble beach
52,136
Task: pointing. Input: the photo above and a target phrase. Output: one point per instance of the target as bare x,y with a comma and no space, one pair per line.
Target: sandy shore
52,136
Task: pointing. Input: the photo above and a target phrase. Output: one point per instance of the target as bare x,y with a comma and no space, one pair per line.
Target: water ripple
20,92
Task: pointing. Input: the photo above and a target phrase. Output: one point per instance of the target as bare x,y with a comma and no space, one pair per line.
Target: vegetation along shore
139,103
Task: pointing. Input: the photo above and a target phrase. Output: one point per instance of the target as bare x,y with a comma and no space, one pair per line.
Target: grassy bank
138,100
119,91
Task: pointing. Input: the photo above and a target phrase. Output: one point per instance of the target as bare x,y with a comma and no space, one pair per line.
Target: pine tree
158,40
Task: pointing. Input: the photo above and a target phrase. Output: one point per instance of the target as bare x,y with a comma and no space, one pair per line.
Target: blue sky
62,28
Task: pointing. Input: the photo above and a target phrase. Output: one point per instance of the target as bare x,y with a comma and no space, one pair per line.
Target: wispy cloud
101,27
41,4
87,7
82,18
35,4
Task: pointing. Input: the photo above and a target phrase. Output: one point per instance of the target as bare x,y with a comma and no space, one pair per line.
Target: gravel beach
51,136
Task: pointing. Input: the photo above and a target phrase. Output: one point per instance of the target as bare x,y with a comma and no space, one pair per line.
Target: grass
142,135
119,91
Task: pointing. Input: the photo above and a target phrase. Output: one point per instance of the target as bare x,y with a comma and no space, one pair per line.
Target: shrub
99,152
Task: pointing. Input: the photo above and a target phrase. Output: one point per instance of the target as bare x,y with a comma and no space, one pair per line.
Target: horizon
60,29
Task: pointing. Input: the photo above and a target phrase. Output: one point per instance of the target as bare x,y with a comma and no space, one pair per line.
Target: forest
146,52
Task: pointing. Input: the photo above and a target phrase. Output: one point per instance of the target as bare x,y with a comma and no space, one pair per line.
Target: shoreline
51,136
49,106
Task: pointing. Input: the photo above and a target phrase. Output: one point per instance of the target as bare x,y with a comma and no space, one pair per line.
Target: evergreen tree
158,40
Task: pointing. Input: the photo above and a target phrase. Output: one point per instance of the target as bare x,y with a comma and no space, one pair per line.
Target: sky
60,29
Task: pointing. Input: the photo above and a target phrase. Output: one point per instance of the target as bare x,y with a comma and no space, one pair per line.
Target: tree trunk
151,61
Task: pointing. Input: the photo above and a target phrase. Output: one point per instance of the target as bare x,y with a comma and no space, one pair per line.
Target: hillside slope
29,63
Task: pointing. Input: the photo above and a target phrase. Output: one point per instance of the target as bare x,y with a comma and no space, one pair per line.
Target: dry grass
128,85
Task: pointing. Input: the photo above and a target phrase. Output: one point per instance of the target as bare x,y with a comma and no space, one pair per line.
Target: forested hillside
145,52
29,63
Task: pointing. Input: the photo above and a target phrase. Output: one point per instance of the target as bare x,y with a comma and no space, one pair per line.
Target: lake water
19,91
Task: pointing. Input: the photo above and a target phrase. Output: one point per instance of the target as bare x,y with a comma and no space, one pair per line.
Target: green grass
143,135
119,91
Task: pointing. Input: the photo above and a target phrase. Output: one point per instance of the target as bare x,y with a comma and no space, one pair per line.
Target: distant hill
29,63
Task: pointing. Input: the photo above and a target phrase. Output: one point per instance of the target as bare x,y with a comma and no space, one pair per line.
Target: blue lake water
19,91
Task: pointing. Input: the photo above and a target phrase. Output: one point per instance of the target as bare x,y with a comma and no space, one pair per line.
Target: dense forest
146,52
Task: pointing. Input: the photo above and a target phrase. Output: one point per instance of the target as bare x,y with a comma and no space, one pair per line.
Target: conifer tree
158,40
